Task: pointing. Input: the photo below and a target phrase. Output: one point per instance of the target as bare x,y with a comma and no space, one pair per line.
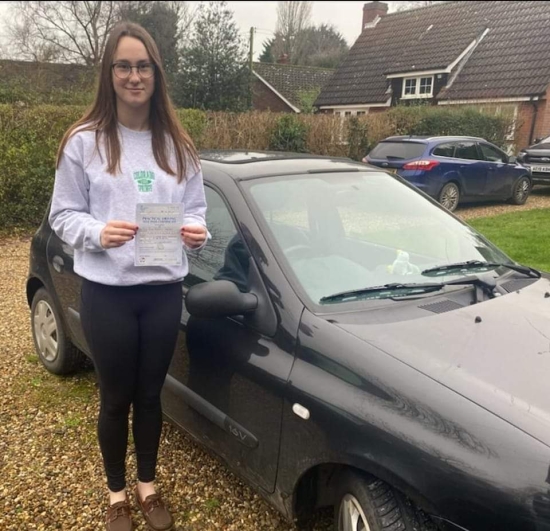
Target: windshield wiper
478,264
487,285
390,288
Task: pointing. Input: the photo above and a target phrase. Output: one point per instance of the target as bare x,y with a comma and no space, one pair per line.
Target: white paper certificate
158,239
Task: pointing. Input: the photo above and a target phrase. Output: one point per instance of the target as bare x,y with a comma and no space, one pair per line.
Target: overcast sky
345,16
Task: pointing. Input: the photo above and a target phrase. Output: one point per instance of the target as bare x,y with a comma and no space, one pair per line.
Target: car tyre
54,349
449,196
520,191
365,503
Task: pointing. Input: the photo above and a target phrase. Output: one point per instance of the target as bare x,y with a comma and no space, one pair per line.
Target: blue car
454,169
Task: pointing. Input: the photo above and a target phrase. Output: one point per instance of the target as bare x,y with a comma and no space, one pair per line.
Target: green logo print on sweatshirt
144,180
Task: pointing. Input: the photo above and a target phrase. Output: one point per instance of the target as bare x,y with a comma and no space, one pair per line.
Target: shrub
30,136
29,139
358,137
194,121
438,121
289,134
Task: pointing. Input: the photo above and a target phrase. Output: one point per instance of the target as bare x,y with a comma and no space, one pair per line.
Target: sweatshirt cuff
202,245
94,241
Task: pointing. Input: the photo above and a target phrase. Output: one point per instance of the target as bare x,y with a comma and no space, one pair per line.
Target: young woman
129,148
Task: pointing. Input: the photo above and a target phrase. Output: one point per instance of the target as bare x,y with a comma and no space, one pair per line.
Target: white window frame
346,113
416,94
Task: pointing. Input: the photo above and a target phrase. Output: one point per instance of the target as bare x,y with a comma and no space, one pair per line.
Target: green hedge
442,121
29,138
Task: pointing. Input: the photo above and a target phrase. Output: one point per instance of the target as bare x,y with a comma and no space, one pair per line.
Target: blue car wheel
449,196
520,191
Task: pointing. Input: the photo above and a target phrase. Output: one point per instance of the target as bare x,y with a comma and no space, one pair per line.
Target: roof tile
513,59
290,80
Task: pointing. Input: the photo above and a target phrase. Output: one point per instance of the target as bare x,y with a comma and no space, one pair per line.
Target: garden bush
30,136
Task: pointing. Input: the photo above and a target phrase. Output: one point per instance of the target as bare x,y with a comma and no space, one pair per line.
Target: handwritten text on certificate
158,239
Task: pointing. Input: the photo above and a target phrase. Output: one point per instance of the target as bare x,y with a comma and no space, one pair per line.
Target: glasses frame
131,67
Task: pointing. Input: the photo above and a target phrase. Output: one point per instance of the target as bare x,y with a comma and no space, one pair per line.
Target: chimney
283,59
372,12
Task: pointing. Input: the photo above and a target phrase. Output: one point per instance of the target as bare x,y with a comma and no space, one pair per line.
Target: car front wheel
54,349
366,503
521,191
449,196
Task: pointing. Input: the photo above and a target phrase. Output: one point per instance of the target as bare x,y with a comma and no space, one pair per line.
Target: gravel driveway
51,476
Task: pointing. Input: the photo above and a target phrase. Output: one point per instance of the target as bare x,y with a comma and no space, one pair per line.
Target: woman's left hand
193,236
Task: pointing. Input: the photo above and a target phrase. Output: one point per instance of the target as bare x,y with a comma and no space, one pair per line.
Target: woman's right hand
117,233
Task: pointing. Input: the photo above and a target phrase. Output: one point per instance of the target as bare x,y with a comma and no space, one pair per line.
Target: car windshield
350,231
401,150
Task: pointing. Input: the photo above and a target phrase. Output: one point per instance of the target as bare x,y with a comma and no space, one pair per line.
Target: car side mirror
538,140
512,160
218,298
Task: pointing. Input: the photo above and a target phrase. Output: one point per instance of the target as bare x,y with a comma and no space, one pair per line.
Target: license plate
541,169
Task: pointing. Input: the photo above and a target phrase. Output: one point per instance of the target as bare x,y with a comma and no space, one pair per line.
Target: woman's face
135,90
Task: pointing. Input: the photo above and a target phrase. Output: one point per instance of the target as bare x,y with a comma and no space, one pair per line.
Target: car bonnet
496,353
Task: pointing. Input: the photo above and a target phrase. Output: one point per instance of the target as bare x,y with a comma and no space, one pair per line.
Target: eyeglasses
123,70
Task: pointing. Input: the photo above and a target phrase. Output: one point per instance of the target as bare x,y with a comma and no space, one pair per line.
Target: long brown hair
101,117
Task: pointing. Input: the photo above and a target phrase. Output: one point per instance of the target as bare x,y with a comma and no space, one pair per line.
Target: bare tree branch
292,19
405,6
73,31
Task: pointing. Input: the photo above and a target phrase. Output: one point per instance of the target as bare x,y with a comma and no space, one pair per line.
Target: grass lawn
523,236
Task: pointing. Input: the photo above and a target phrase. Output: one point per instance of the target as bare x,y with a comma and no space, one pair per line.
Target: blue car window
466,150
444,150
491,154
398,150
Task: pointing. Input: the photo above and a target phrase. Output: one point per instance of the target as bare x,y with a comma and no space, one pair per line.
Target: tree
267,53
405,6
292,19
76,32
167,22
69,31
306,99
321,46
214,72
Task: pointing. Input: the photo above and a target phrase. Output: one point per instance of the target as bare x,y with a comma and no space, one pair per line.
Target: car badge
384,163
545,159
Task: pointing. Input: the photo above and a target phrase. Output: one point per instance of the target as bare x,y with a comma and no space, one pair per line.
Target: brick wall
542,127
525,118
263,99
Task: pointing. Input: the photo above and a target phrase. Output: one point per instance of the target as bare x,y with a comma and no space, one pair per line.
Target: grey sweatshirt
86,197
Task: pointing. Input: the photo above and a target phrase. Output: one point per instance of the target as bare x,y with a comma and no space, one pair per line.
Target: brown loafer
119,517
156,514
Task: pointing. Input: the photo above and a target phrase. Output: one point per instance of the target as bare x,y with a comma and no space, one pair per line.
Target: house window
426,85
410,87
418,87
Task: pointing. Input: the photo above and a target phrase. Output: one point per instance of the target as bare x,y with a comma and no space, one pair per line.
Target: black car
537,158
347,342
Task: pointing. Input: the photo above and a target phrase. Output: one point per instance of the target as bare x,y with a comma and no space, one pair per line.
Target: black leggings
132,333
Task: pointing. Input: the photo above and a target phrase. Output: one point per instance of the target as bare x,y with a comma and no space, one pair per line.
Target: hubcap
45,331
449,199
351,516
522,190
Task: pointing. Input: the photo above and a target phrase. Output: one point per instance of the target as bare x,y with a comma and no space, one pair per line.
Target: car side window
444,150
491,154
225,256
467,150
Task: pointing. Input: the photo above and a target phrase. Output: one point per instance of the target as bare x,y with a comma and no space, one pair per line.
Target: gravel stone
51,475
